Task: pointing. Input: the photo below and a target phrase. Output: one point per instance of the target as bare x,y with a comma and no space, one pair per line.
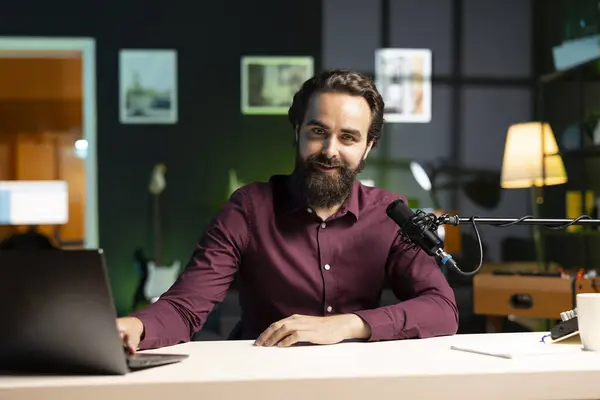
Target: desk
410,369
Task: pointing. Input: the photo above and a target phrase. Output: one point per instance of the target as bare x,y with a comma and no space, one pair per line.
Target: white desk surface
409,369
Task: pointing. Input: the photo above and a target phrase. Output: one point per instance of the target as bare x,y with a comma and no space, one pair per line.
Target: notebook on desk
58,316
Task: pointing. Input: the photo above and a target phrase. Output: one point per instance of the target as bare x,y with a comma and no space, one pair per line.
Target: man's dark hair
340,81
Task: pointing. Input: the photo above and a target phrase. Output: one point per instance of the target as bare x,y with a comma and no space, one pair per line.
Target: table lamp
531,160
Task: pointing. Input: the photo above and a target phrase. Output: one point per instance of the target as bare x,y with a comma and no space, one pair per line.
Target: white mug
588,320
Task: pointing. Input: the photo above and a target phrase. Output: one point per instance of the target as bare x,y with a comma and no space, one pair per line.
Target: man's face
332,147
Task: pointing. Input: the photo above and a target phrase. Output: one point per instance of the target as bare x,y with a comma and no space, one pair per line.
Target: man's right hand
131,330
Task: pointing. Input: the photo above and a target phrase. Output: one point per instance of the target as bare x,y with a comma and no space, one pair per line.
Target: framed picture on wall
147,86
403,76
269,83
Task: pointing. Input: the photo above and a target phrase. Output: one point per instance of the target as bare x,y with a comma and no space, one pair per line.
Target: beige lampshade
522,162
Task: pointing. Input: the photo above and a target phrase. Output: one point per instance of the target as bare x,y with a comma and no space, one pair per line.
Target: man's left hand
316,330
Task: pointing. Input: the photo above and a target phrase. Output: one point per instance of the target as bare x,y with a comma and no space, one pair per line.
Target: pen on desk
545,337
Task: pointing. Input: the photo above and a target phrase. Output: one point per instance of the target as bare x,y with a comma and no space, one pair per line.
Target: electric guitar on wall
155,277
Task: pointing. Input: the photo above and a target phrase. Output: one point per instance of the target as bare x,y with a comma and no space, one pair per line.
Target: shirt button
323,225
329,308
326,267
309,210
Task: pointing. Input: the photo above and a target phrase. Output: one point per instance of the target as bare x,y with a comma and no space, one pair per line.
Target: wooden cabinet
498,296
40,119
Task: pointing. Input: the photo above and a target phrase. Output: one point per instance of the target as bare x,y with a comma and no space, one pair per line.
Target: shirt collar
296,203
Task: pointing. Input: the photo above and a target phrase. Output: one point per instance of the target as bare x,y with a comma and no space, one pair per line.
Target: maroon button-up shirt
291,262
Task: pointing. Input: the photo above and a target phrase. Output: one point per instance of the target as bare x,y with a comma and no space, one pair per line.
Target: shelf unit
580,248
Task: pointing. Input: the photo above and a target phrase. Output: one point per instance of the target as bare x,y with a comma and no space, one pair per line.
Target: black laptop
57,316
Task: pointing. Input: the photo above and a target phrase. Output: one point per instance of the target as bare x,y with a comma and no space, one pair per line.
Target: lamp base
537,199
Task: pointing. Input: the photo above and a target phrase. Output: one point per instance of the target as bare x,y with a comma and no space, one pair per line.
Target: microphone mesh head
399,212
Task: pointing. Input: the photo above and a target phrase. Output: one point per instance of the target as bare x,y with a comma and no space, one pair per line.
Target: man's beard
324,189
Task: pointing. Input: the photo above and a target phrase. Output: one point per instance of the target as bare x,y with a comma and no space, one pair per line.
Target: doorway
48,126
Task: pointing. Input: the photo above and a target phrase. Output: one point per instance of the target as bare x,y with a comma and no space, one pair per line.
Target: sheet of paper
518,349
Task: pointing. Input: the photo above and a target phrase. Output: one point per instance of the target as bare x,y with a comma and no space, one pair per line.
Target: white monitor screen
34,203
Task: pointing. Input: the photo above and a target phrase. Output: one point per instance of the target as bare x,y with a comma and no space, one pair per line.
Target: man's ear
296,135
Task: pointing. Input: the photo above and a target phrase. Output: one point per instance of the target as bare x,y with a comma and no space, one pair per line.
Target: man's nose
330,148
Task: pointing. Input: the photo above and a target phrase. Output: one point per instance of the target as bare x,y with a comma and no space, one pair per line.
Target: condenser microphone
417,230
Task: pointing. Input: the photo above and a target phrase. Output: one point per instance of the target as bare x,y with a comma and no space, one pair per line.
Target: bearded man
314,249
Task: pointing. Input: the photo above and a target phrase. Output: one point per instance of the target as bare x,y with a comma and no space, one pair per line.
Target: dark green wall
211,136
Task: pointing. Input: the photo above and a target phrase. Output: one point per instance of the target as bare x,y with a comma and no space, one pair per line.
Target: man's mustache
329,163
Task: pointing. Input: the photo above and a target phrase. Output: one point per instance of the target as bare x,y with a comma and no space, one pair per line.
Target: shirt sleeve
183,309
427,304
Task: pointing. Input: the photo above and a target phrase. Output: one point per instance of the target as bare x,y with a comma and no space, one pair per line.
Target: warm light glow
522,162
